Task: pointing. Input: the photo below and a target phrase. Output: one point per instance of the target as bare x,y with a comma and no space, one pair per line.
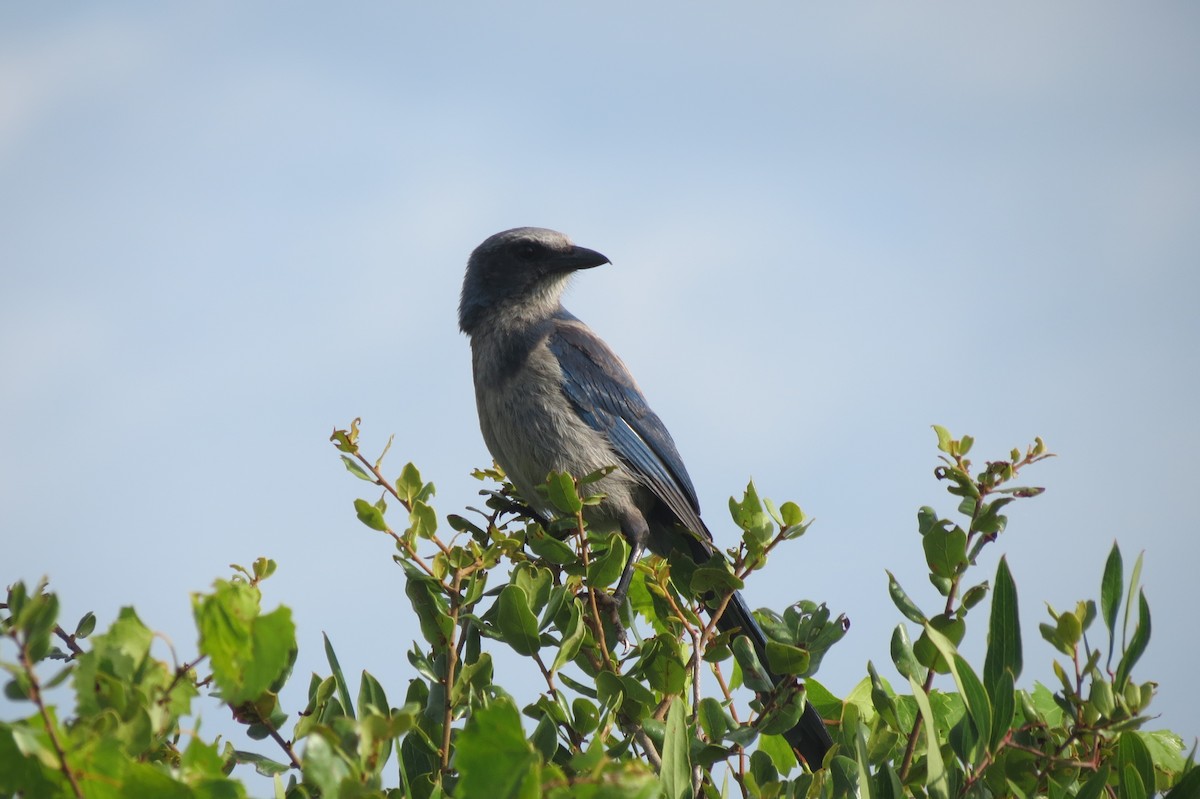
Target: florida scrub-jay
552,396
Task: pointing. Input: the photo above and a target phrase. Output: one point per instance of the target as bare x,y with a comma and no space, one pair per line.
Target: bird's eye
528,249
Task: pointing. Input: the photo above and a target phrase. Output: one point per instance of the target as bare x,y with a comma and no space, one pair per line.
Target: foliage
679,710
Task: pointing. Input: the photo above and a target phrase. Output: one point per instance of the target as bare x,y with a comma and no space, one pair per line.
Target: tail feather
809,737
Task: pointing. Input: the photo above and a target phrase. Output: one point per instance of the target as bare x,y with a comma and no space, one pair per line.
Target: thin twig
35,694
451,667
69,640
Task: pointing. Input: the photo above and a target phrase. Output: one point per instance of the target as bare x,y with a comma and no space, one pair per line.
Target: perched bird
552,396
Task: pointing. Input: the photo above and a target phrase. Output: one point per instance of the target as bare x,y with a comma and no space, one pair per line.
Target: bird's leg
613,603
622,590
635,530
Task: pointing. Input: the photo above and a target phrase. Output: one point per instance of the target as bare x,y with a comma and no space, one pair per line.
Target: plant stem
35,694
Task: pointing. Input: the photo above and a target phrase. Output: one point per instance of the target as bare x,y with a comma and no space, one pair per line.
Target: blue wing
608,400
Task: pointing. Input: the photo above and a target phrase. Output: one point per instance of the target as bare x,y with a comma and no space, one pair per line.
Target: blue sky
229,228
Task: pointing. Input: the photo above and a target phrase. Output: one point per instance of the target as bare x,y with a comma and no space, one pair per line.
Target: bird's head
520,272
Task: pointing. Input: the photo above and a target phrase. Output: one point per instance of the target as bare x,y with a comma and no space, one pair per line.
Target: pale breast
531,428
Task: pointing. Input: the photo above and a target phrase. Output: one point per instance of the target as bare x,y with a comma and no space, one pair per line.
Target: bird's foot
610,607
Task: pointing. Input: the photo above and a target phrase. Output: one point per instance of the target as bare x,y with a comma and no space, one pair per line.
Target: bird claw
610,617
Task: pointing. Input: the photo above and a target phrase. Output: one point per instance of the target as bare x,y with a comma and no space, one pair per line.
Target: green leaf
492,756
990,520
86,625
1094,787
882,700
663,665
971,689
716,576
561,489
432,613
1111,587
1132,754
791,514
1004,632
780,751
936,781
714,720
676,771
339,678
1134,579
1004,708
945,440
903,657
247,651
573,637
784,659
903,603
945,550
549,548
410,486
356,470
370,515
422,520
473,679
927,652
1131,784
371,693
753,674
516,620
750,516
604,570
974,595
1188,787
1137,643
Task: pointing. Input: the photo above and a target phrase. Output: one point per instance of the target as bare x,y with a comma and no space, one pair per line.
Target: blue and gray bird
552,396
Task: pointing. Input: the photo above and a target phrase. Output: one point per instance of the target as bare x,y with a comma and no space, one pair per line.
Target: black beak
582,258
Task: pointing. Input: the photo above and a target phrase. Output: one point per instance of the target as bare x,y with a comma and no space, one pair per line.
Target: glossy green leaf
549,548
714,719
945,550
1131,784
432,613
86,625
1188,787
936,780
970,687
1004,708
882,701
492,756
562,493
1137,643
927,652
1093,788
574,634
1132,754
753,674
902,602
1004,631
676,773
663,665
339,678
903,657
785,659
605,569
516,620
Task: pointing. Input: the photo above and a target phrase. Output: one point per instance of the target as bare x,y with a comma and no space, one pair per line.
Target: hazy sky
228,228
